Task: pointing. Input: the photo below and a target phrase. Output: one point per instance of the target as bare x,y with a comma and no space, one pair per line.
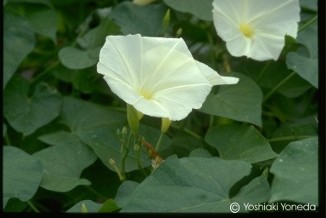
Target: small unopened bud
136,147
112,162
179,32
83,208
124,131
118,132
165,124
133,117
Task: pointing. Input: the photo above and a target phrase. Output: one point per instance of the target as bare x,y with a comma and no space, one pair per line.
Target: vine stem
159,141
186,130
124,156
268,63
285,138
95,192
268,95
262,72
32,206
45,72
308,23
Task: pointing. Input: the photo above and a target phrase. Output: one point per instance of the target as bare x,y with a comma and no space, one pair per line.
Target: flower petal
158,76
122,57
214,78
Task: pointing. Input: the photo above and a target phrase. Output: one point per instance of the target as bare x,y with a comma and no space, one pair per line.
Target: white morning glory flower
256,28
157,76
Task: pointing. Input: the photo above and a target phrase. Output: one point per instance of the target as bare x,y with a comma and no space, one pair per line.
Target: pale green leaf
201,9
18,41
192,184
95,37
27,114
64,161
310,4
145,20
91,43
256,191
302,128
78,115
91,206
200,152
125,191
4,129
239,142
306,65
230,101
108,206
97,127
75,58
22,174
43,20
270,74
105,143
296,173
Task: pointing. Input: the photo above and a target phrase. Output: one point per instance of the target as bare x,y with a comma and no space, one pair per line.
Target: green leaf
310,4
229,101
22,174
200,152
108,206
183,145
95,37
269,74
105,143
256,191
75,58
91,43
296,173
302,128
97,126
145,20
239,142
192,184
201,9
43,19
306,65
81,115
27,114
91,206
88,81
125,191
4,129
46,2
64,161
18,41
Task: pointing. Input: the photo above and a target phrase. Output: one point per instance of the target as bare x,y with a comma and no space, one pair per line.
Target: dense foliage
66,134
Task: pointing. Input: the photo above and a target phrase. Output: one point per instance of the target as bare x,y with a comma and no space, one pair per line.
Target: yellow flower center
146,94
247,30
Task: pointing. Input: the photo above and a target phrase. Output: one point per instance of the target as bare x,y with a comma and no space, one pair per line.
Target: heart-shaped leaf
64,161
27,114
296,172
239,142
230,103
192,184
22,174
